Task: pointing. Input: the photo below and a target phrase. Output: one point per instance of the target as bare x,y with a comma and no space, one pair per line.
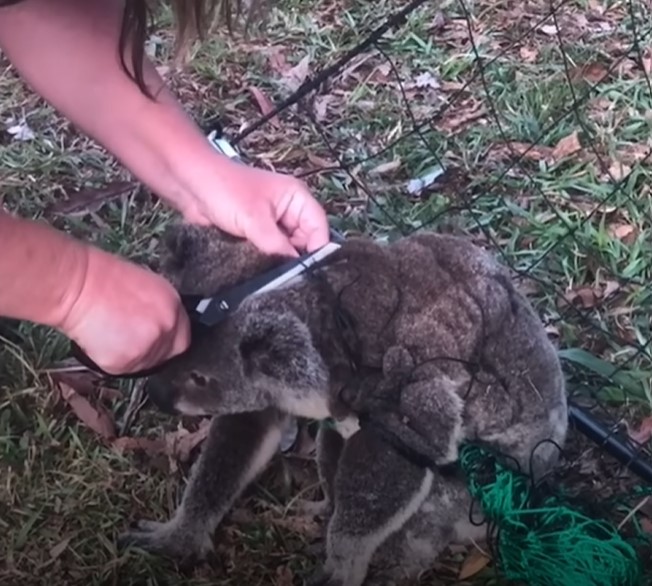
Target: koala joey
424,339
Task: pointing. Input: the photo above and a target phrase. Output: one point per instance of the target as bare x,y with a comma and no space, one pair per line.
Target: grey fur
448,352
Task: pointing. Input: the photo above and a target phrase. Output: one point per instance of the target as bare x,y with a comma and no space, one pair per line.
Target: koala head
202,260
261,356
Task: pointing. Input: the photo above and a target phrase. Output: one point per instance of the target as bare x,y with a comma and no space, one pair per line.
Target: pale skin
125,317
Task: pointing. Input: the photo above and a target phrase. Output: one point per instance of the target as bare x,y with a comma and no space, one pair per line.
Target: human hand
274,211
124,317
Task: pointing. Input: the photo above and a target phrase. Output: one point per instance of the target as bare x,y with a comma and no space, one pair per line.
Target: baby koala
413,347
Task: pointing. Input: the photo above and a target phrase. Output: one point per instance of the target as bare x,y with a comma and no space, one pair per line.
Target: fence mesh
531,137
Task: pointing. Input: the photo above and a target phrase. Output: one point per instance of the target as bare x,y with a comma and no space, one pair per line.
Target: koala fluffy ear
278,345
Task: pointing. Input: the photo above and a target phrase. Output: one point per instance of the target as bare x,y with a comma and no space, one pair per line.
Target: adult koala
424,339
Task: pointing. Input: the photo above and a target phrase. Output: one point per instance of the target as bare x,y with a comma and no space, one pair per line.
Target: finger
182,338
265,234
306,219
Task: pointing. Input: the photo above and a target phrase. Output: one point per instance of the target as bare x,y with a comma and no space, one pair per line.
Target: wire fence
531,138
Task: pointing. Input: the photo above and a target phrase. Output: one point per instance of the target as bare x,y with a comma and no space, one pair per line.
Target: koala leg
329,444
376,492
441,520
428,419
237,449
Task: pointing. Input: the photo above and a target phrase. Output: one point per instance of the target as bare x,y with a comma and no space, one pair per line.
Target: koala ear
280,346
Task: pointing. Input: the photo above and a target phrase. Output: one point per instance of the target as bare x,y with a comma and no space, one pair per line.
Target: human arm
67,51
125,317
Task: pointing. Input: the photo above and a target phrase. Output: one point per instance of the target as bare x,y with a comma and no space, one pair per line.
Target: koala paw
185,545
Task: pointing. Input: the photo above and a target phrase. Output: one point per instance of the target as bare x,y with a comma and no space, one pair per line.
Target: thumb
264,233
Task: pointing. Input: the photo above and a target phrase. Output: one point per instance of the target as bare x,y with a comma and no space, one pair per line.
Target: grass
575,227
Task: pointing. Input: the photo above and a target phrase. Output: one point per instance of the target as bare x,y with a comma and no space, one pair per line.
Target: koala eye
198,379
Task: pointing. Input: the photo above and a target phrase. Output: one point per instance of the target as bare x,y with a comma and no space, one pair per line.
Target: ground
534,123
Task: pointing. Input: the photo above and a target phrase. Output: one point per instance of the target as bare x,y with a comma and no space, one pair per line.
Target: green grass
64,494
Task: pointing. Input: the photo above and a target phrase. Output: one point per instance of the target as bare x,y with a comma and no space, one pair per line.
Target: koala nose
163,395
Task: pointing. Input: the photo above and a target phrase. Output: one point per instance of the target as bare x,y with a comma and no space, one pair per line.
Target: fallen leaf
528,151
265,104
647,62
151,447
646,524
528,55
91,199
474,563
618,171
277,60
610,287
85,383
180,443
625,232
21,131
425,79
591,72
584,296
303,525
567,146
59,548
385,168
295,76
455,120
320,162
284,576
644,432
95,418
321,107
549,29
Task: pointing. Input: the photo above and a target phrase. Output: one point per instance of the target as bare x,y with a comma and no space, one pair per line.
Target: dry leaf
529,151
85,384
567,146
96,418
294,77
455,120
647,62
644,433
549,29
591,72
618,171
284,576
59,548
90,200
321,107
303,525
277,60
385,168
265,104
610,287
625,232
583,296
320,162
646,524
528,55
180,443
474,563
152,447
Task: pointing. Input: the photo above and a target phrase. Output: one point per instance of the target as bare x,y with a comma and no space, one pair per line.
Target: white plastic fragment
416,185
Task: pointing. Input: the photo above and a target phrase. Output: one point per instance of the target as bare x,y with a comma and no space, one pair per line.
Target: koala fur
424,338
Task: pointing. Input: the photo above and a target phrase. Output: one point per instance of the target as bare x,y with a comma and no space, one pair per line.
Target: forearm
67,51
42,271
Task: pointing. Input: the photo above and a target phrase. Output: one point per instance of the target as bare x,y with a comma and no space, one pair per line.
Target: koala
413,347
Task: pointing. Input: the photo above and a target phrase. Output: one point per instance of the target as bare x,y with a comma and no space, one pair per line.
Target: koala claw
168,540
